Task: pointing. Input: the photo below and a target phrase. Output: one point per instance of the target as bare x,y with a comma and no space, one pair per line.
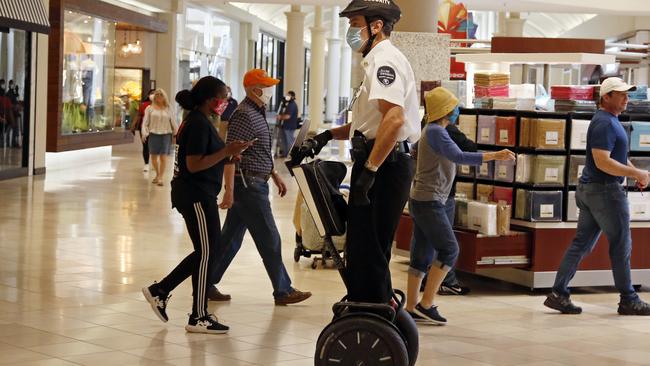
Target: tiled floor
78,245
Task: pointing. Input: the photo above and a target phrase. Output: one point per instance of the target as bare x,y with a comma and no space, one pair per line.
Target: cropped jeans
433,236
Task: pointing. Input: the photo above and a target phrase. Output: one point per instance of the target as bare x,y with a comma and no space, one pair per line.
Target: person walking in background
288,117
230,107
198,171
158,129
247,192
603,204
137,126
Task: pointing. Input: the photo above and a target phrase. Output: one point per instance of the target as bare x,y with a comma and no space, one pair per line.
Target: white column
418,16
317,73
333,67
346,70
9,71
167,56
641,74
515,25
501,24
294,60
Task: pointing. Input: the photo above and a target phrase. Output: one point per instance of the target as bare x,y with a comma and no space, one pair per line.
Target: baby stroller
360,333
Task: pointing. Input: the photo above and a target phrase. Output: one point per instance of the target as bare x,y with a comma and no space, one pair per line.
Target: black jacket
463,143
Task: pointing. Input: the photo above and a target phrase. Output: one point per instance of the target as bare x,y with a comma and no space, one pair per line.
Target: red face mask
221,107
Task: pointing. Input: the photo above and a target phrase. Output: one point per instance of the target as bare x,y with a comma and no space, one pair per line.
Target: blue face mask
353,38
453,117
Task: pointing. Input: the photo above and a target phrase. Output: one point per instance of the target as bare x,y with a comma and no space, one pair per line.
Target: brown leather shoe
215,295
293,298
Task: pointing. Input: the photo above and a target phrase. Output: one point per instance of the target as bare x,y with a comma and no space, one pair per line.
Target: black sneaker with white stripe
157,300
455,289
430,315
207,324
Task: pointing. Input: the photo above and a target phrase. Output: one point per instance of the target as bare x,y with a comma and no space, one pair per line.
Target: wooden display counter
532,254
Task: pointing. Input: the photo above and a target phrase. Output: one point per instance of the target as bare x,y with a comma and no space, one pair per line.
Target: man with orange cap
246,191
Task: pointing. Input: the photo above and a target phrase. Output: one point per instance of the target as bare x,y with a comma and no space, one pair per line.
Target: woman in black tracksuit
198,171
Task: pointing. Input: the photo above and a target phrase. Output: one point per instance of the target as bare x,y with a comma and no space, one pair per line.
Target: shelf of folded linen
521,104
638,107
488,78
641,93
566,105
572,92
491,91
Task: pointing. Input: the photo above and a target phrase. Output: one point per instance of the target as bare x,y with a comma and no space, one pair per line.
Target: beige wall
147,59
38,122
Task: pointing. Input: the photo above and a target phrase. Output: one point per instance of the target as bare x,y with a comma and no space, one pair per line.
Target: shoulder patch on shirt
386,75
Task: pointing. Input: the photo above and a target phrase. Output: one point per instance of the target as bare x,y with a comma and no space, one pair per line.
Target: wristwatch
373,168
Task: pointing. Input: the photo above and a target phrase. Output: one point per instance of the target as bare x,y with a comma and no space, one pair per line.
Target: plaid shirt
247,123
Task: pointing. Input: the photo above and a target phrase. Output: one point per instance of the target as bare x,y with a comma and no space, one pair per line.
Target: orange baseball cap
259,77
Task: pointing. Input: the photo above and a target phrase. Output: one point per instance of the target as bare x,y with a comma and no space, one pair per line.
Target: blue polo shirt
606,133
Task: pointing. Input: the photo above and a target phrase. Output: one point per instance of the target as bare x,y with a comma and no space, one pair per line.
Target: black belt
251,174
361,150
400,147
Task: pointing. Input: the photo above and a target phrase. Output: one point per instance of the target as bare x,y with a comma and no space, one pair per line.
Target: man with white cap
603,204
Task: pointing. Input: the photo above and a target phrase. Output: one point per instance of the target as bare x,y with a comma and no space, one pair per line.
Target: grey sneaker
562,304
637,307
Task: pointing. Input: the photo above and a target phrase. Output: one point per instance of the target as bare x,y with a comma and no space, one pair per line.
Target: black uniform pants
204,227
371,230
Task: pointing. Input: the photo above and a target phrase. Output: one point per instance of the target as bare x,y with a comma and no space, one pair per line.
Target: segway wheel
409,331
361,339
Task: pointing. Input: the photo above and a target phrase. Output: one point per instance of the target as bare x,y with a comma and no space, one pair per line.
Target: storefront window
205,46
14,102
89,100
128,88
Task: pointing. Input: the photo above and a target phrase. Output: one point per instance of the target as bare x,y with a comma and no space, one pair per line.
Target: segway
360,333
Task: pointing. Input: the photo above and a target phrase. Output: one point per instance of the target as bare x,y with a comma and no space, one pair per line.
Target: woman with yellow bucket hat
434,243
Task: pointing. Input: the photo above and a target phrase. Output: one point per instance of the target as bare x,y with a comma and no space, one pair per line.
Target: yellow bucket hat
439,102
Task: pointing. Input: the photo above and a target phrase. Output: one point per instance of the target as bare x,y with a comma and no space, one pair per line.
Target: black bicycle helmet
385,9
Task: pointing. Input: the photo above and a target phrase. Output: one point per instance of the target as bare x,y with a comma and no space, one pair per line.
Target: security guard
385,120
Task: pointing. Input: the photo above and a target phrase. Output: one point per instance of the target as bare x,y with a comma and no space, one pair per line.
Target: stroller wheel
361,339
297,252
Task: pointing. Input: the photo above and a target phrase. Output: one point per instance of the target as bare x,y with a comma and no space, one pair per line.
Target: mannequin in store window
88,68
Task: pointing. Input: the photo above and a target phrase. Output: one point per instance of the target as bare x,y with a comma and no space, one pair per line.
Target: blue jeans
286,139
603,207
252,210
433,235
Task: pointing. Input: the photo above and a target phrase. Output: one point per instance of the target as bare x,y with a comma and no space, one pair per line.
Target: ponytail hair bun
185,100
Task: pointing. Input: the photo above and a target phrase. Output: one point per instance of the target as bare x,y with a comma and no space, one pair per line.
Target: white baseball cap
615,84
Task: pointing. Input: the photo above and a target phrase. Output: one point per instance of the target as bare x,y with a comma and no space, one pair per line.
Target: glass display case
89,101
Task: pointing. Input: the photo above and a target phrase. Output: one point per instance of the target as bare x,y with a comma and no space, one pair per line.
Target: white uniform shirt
387,75
158,121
